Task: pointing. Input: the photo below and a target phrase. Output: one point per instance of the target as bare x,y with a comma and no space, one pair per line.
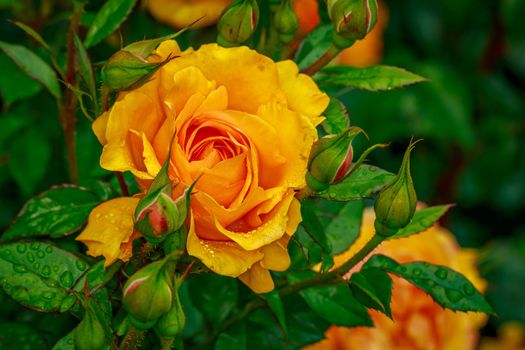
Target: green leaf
275,304
314,46
97,276
234,338
56,212
447,287
29,158
373,288
108,19
215,296
86,69
360,184
33,65
65,343
422,220
337,119
341,222
336,304
31,32
14,84
39,275
20,336
376,78
314,229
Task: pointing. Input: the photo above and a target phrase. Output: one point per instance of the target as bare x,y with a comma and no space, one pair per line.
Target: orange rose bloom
242,122
182,13
418,322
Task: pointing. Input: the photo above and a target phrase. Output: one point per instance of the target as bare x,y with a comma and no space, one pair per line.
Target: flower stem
332,277
322,61
132,340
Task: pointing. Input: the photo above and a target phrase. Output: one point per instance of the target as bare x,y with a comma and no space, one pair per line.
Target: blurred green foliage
471,116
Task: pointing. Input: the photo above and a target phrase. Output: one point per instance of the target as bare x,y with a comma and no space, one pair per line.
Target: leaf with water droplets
20,336
447,287
39,275
336,115
372,287
360,184
422,220
377,78
56,212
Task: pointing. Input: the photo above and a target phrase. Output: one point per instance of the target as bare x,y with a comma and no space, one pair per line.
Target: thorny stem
132,339
322,61
68,110
332,277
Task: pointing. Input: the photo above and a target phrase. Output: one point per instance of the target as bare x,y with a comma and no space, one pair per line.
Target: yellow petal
250,78
294,217
150,158
302,93
110,225
276,255
296,137
223,257
182,13
99,127
267,233
258,279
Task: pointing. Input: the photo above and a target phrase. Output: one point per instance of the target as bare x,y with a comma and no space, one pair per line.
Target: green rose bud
331,159
171,324
353,19
89,334
148,293
238,21
396,203
286,21
126,70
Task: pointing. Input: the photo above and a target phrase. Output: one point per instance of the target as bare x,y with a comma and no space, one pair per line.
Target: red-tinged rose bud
396,203
148,293
331,159
352,19
158,215
90,334
238,21
126,70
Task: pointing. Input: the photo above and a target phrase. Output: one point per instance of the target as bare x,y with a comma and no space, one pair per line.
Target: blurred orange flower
182,13
244,125
511,336
418,322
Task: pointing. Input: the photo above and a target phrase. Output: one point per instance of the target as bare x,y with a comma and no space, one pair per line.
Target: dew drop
34,245
48,295
81,265
21,294
21,248
469,289
46,270
68,302
5,253
51,282
417,272
19,268
49,250
30,257
453,295
40,254
36,265
441,273
55,268
66,279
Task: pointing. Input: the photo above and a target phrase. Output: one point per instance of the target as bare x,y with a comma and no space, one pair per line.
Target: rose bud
89,334
171,324
353,19
396,203
238,21
148,293
331,159
126,70
286,21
